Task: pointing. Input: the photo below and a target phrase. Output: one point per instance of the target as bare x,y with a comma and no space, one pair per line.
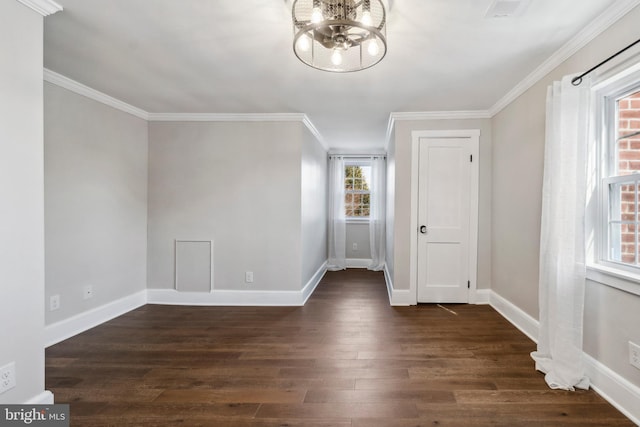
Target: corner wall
611,316
314,195
236,183
95,202
21,201
399,189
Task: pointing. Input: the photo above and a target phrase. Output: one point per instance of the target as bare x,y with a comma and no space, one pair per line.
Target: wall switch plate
634,354
87,292
7,377
54,302
355,246
248,276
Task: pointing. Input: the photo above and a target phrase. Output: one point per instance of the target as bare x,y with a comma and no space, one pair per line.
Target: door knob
423,229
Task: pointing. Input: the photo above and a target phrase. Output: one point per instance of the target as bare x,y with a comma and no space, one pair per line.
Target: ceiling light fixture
339,35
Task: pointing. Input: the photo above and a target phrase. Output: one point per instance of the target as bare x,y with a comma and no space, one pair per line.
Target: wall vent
507,8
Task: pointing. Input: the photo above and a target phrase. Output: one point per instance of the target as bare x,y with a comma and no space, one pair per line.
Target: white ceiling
235,56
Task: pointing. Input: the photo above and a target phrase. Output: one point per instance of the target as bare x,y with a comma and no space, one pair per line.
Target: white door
444,219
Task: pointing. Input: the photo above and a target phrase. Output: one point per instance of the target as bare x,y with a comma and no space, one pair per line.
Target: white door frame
474,140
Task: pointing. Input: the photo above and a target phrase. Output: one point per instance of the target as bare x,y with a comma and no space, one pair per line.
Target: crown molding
226,117
80,89
43,7
72,85
440,115
239,117
314,131
432,115
587,34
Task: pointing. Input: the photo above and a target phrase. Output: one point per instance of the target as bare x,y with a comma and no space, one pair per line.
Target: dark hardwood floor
345,359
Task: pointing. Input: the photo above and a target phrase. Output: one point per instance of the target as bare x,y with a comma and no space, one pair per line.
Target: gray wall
611,316
358,233
314,206
95,202
238,184
400,215
391,206
21,200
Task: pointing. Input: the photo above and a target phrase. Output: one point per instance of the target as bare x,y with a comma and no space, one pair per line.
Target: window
357,184
621,177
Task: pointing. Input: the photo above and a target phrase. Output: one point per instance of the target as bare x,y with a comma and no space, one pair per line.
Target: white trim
609,17
239,298
60,331
240,117
76,87
224,297
226,117
313,283
358,262
614,388
614,277
432,115
44,398
397,297
483,296
474,138
43,7
440,115
72,85
389,283
518,318
314,131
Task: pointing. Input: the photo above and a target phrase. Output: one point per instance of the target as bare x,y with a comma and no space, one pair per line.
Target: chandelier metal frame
343,27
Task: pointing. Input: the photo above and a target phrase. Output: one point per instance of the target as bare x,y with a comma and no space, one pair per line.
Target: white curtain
337,221
562,242
377,217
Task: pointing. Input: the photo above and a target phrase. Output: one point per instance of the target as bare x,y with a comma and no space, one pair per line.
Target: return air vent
507,8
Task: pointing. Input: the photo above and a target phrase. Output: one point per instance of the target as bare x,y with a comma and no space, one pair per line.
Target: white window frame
361,163
600,267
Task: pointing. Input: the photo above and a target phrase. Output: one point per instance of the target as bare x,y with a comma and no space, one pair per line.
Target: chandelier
339,35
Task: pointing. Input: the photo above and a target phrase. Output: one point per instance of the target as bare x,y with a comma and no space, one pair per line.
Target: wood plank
344,359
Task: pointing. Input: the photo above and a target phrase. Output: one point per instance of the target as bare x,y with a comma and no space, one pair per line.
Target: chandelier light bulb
366,18
316,15
373,48
304,43
336,57
339,36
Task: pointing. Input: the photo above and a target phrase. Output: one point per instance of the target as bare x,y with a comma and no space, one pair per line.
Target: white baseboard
240,298
397,297
220,297
60,331
44,398
311,285
614,388
483,296
521,320
358,263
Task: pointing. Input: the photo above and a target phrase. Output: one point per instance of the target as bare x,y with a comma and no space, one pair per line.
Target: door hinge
471,158
468,284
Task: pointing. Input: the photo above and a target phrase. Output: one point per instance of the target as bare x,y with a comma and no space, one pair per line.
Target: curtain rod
577,80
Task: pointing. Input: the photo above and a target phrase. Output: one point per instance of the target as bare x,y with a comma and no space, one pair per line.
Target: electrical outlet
634,354
87,292
54,302
248,276
355,246
7,377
